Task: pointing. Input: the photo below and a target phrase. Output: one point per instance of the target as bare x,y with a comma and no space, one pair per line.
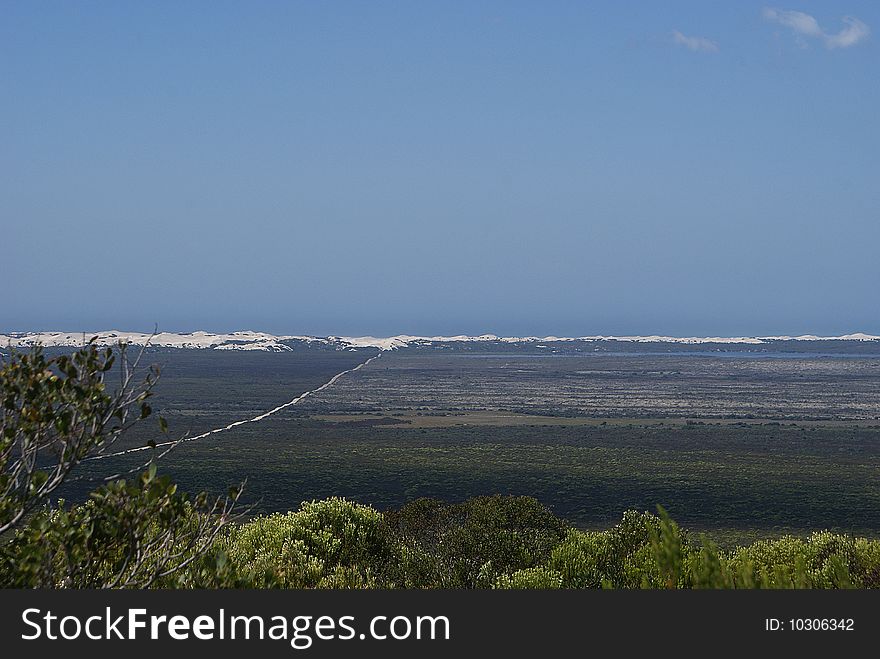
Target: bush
470,544
542,578
621,557
56,413
514,542
325,544
128,535
824,560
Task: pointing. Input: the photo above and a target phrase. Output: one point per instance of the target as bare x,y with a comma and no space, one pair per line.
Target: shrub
824,560
57,412
470,544
542,578
869,556
621,557
333,544
128,535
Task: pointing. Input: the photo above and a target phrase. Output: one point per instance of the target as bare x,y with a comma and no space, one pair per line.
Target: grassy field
733,384
737,479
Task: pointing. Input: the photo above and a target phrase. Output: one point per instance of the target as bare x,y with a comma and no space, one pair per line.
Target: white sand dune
249,340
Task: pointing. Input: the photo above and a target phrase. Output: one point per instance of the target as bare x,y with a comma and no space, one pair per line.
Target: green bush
869,556
542,578
824,560
652,552
325,544
56,413
578,559
136,534
488,542
514,542
621,557
470,544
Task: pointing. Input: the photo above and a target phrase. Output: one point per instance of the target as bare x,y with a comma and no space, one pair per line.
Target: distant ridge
248,340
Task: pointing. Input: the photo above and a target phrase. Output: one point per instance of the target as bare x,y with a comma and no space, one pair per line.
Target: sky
520,168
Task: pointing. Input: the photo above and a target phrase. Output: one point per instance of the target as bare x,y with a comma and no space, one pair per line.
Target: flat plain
734,442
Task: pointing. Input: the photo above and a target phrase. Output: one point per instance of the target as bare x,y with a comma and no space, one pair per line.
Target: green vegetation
736,481
514,542
58,414
485,542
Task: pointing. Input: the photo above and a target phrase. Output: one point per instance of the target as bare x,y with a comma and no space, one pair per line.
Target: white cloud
804,25
697,44
853,32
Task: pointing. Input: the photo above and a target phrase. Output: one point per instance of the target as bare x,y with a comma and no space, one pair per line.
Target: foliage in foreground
129,534
485,542
56,413
514,542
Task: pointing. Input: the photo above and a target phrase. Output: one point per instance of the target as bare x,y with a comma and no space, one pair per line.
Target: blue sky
396,167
